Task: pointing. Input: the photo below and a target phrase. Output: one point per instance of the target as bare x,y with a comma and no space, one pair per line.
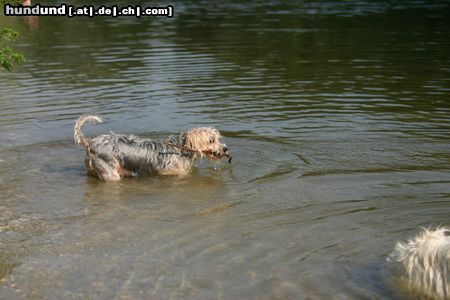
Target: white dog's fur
425,260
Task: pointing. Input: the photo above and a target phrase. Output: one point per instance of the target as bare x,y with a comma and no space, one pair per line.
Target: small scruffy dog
111,157
425,261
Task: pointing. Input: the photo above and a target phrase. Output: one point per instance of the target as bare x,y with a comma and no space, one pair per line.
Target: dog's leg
98,167
124,172
179,169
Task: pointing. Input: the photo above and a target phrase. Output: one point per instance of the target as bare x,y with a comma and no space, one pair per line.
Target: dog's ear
194,140
189,140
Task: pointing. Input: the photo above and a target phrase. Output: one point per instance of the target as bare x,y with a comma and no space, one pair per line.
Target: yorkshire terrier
111,157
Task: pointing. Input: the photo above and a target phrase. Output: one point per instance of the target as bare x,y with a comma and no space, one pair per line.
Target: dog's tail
78,135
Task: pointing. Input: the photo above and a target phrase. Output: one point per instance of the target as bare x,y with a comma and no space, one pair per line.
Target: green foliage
7,56
12,2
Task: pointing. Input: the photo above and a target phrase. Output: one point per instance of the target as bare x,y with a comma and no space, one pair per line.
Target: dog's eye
447,233
211,140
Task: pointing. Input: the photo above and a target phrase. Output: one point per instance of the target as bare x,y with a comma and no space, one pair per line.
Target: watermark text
87,10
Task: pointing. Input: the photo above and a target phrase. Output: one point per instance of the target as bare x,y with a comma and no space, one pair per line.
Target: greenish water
337,113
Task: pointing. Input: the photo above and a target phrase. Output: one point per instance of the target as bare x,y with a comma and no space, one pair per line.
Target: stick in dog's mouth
219,156
229,157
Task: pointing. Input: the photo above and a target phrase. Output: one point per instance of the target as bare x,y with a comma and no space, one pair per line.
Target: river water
337,114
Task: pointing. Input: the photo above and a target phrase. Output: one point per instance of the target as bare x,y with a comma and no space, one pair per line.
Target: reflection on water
336,113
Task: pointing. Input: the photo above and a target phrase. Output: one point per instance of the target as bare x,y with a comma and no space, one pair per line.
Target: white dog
425,261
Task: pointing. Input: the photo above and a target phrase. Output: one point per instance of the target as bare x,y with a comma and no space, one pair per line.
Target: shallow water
337,114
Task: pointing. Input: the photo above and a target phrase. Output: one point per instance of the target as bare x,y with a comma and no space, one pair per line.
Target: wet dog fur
112,156
425,263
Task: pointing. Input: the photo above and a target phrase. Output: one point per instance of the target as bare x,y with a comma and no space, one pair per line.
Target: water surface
337,114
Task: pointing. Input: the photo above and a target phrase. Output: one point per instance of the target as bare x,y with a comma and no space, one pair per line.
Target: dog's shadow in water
380,279
375,280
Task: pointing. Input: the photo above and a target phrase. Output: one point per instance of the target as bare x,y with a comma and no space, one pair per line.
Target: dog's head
426,243
207,141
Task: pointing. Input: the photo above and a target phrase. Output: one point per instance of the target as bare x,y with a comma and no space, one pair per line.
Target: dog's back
141,156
